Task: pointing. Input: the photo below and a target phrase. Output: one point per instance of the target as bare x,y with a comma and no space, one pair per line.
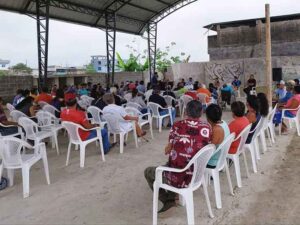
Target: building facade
238,49
4,64
99,63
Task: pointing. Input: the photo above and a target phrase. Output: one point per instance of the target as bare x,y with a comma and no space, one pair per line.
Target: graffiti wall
225,72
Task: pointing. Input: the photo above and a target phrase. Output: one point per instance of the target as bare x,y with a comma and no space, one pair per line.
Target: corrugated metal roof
132,16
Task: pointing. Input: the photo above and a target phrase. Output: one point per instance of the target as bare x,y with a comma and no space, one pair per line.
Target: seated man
44,96
203,90
112,108
72,114
158,99
186,138
3,121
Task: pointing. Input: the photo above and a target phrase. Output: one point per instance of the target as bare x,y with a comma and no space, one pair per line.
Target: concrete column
258,31
268,71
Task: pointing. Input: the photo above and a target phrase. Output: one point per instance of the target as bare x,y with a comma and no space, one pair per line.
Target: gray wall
248,41
9,85
225,70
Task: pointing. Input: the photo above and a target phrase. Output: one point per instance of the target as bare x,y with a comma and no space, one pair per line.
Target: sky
72,45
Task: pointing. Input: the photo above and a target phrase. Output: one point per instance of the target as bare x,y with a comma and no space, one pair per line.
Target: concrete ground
115,192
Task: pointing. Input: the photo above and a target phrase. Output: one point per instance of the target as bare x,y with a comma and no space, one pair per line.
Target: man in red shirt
44,96
72,114
238,124
186,138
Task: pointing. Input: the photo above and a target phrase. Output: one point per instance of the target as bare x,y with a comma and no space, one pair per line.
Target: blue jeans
105,139
166,111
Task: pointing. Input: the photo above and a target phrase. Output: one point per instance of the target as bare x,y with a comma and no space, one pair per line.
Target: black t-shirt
99,103
155,98
252,82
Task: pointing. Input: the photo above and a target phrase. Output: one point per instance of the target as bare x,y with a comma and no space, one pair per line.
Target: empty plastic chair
51,109
185,100
33,133
16,115
19,133
199,162
12,158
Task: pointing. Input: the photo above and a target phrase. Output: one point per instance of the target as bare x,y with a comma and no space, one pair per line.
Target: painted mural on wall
225,72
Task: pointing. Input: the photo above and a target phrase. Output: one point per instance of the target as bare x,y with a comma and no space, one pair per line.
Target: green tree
90,69
21,67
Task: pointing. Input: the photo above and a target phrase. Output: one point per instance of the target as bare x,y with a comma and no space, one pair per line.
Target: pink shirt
289,103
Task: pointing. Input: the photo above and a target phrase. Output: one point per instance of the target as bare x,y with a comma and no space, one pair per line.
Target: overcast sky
73,45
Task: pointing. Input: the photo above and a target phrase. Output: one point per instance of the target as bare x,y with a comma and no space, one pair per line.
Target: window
99,62
3,65
99,68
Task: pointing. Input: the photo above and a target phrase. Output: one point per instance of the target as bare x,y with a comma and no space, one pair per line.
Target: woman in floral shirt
186,138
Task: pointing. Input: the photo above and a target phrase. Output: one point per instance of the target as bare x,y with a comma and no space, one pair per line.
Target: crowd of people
186,136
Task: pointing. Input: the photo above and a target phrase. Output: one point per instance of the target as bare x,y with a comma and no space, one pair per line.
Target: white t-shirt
118,111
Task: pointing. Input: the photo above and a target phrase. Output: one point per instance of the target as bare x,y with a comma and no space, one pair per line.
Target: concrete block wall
225,70
9,85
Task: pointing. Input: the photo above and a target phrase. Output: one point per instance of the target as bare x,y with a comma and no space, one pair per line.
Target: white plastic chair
96,114
142,122
199,162
148,94
51,109
127,96
19,133
10,107
292,119
270,127
185,100
74,138
133,105
236,157
222,164
169,100
33,133
154,108
83,104
49,122
42,103
113,125
202,98
16,115
86,99
253,147
12,158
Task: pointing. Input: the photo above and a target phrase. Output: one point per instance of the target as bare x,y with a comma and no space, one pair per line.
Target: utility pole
268,71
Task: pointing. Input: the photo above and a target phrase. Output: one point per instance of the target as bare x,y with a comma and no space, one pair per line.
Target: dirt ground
115,192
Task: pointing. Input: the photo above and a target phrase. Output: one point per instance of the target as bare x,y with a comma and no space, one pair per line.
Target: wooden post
268,72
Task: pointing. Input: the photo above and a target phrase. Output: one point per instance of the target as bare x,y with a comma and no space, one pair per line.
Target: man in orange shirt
203,90
44,96
238,124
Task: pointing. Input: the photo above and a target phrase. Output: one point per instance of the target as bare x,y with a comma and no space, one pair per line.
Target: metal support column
152,37
42,19
110,21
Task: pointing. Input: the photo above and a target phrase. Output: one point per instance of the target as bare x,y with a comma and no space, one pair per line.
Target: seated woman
139,100
58,102
112,108
3,121
220,131
293,104
264,104
253,115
